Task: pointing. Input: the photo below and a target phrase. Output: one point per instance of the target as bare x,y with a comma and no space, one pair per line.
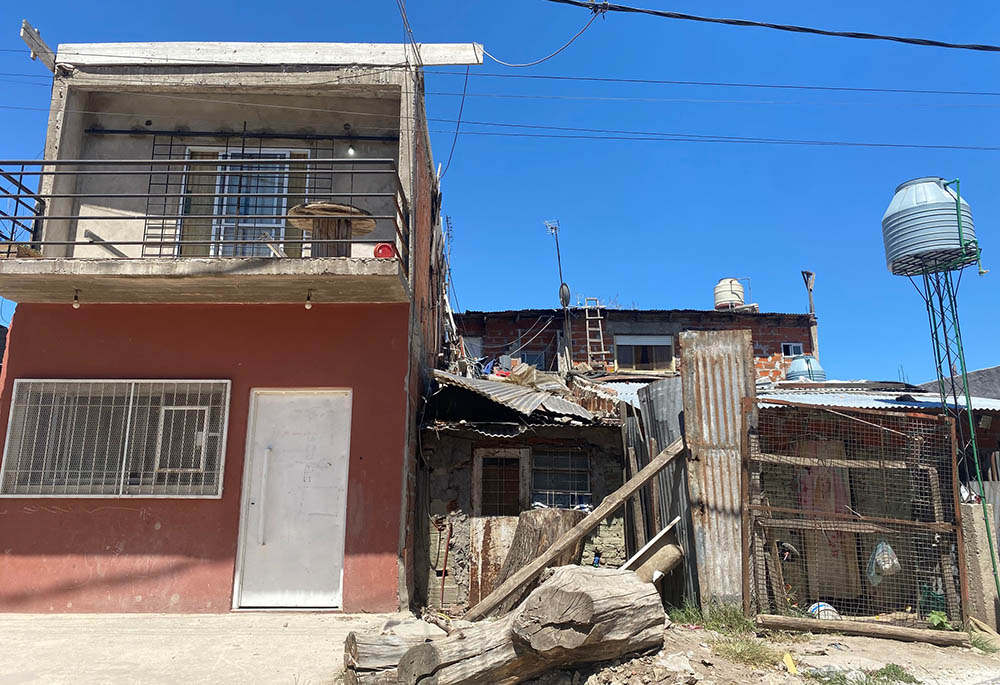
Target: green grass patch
890,674
746,650
727,619
981,642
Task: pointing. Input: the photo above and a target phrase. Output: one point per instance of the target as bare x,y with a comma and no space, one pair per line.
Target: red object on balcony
385,251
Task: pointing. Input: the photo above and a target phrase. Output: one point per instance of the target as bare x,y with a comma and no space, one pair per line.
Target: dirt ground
687,657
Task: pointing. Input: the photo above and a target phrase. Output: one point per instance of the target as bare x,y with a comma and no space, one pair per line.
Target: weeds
981,642
887,675
726,619
746,650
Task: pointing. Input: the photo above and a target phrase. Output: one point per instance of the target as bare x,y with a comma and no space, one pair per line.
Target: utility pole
566,353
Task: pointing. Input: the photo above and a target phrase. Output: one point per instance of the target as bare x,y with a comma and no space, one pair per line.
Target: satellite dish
564,295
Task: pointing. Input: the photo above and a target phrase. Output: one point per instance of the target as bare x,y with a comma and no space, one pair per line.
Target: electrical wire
458,124
608,79
599,133
922,42
579,33
602,79
725,84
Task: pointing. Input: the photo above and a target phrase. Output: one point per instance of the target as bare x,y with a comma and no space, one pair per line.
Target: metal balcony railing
209,204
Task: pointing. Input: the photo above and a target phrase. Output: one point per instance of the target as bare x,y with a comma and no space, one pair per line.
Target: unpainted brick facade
537,333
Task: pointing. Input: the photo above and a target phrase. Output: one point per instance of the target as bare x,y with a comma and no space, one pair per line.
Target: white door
294,499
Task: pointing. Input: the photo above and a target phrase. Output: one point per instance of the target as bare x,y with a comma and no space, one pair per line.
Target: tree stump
536,531
577,615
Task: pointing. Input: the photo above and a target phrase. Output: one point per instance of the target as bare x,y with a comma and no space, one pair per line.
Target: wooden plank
656,541
39,50
789,460
570,538
944,638
206,54
654,488
638,517
816,524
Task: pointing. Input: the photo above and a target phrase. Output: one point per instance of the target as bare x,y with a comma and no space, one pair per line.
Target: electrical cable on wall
922,42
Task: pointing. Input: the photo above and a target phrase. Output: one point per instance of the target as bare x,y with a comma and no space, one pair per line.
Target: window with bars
501,486
116,438
561,479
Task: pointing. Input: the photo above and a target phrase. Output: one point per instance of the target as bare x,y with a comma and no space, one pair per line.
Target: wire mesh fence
853,515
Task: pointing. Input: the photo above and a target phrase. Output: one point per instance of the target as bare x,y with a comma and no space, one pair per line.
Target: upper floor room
227,172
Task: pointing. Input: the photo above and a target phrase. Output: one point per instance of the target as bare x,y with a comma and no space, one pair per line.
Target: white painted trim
208,54
121,494
644,340
245,494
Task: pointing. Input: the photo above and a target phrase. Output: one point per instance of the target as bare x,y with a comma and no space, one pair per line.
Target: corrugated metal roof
869,399
629,392
517,397
558,312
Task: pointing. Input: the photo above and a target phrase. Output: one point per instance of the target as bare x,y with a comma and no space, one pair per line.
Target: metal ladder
595,332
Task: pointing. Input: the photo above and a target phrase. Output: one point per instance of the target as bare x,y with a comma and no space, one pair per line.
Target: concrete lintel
172,54
355,81
236,280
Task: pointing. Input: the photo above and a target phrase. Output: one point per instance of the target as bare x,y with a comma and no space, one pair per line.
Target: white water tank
728,294
921,232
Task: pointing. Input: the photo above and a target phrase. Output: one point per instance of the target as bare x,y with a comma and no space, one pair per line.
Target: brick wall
539,331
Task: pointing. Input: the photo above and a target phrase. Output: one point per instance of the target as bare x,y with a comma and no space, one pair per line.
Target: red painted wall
65,554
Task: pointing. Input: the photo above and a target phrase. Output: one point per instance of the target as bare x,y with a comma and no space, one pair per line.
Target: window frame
585,454
789,344
651,340
123,492
522,454
220,225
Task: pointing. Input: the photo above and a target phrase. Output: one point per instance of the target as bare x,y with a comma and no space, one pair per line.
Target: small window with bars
561,479
116,438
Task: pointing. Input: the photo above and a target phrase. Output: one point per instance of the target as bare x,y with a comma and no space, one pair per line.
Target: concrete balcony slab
210,279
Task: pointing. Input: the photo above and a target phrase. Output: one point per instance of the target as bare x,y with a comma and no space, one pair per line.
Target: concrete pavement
238,647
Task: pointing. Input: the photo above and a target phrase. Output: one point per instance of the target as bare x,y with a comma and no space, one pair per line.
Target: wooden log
578,614
386,677
570,538
374,651
660,563
536,531
944,638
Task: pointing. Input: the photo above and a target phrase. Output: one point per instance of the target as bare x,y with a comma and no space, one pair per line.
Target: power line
458,124
577,133
727,84
923,42
549,56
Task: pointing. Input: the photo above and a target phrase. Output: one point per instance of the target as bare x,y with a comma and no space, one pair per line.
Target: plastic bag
883,562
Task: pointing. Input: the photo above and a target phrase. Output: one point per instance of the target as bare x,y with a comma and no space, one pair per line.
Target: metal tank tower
930,238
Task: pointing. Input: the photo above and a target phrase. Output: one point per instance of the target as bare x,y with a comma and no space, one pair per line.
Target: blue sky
648,223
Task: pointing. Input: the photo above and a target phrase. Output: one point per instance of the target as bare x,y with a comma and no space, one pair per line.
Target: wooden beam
39,50
944,638
572,536
815,524
789,460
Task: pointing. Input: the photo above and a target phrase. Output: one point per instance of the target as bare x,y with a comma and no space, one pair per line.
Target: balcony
206,225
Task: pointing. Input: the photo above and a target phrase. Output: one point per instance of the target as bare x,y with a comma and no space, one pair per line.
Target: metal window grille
561,479
854,512
501,486
116,438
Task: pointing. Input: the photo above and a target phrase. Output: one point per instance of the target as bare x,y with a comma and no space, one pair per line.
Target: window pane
626,356
560,479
